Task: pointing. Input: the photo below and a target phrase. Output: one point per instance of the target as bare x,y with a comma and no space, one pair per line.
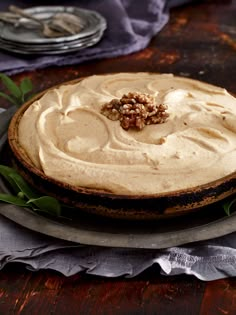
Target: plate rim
50,227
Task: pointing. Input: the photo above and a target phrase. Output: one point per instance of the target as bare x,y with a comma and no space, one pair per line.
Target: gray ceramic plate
93,22
63,45
50,50
91,230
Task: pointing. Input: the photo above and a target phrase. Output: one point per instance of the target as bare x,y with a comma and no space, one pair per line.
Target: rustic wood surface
198,42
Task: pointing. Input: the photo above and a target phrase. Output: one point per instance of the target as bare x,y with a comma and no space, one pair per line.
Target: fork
46,29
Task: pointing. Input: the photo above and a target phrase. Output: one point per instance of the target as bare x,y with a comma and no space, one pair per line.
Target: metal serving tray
92,230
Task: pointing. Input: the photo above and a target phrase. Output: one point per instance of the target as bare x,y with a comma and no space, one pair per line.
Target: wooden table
198,42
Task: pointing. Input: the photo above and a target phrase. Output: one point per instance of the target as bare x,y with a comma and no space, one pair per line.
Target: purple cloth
131,25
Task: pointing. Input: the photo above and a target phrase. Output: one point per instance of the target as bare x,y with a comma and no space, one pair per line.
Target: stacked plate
26,36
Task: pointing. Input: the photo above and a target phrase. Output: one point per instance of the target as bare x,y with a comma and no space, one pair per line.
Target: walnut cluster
135,110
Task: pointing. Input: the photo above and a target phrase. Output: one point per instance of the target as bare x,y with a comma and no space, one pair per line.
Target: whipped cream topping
66,136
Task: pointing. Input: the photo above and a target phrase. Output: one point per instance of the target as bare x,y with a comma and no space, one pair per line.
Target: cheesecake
132,135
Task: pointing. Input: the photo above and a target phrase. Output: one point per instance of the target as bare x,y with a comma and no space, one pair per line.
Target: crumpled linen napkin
131,25
208,260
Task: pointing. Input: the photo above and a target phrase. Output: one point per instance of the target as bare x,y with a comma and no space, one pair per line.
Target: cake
128,136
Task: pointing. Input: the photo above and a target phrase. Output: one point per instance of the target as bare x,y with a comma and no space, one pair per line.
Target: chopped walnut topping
135,110
162,140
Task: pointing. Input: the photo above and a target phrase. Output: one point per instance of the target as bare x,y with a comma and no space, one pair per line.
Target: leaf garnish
9,98
25,86
6,171
17,94
13,200
26,196
229,206
11,86
47,204
23,186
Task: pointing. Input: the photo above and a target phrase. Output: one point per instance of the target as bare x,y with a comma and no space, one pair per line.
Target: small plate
92,22
66,48
39,47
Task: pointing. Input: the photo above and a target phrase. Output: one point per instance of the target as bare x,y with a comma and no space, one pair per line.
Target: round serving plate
88,229
68,48
157,206
26,46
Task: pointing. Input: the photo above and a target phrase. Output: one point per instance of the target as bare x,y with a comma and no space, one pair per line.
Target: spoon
16,20
68,21
46,29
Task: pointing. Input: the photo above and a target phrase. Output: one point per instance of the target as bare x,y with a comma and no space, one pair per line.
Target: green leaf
17,93
6,171
11,86
25,86
23,186
228,206
9,98
47,204
36,202
28,97
13,200
21,195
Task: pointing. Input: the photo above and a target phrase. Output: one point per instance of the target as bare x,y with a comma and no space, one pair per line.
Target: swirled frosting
66,136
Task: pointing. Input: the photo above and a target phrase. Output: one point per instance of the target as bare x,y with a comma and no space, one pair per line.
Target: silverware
68,21
16,21
46,29
64,23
